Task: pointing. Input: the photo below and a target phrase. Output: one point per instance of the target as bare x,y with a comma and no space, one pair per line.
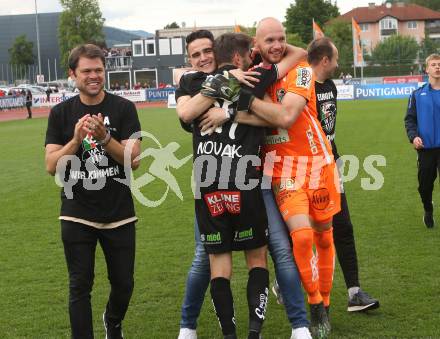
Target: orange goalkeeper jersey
303,147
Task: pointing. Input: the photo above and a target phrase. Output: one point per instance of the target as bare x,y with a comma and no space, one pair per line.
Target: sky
136,14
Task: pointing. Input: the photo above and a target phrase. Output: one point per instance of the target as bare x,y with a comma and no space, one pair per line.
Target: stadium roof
402,12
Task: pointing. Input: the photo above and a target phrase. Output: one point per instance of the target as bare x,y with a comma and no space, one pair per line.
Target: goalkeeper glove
221,86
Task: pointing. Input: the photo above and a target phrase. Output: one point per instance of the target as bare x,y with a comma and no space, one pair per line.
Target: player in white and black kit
85,142
323,57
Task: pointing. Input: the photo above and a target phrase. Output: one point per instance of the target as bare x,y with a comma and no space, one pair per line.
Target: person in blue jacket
422,123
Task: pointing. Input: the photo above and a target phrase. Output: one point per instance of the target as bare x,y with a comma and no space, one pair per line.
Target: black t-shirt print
326,106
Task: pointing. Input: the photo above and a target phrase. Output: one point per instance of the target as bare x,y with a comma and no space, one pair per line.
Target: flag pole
362,64
354,47
38,38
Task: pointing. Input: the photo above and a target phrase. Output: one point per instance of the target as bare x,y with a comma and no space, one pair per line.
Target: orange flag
237,28
317,31
357,44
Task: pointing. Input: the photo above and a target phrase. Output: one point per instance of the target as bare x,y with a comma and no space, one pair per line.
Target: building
183,32
153,60
149,60
380,22
12,26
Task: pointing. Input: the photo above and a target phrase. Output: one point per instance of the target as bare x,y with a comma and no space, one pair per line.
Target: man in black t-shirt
323,57
85,142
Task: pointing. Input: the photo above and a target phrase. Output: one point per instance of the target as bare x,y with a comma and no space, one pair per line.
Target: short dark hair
226,45
318,49
89,51
199,34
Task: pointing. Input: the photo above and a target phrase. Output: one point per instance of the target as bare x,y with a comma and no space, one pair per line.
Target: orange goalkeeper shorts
320,201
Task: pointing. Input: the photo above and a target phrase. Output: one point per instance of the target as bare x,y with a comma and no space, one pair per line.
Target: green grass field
399,258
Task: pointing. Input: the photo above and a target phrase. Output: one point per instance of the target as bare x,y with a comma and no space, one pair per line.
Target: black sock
257,295
221,295
427,206
254,335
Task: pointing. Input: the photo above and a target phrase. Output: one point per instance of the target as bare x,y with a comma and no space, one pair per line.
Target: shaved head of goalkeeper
270,40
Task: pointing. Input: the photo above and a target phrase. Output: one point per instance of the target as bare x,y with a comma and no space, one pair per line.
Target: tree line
81,21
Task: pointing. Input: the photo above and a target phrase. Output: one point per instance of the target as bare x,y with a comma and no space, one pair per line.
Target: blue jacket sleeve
411,118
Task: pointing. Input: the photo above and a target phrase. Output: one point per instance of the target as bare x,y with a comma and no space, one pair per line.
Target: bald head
270,40
268,25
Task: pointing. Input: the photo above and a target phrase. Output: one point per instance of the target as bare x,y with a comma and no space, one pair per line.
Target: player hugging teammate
229,207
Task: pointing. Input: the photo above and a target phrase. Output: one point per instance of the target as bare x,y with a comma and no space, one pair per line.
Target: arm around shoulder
190,108
251,119
277,115
294,55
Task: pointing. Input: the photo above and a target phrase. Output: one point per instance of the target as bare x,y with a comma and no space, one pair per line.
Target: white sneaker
301,333
187,333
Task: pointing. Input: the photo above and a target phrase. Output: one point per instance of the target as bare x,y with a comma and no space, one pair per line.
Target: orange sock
326,262
305,260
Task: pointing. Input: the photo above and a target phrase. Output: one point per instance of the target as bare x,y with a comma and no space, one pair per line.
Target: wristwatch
106,139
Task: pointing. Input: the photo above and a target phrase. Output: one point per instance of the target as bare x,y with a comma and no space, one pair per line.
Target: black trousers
428,163
343,239
118,245
28,107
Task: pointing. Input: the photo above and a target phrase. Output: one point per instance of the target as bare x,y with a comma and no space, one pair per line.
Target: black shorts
230,219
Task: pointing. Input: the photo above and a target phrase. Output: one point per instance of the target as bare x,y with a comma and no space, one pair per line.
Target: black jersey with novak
326,106
112,201
230,142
